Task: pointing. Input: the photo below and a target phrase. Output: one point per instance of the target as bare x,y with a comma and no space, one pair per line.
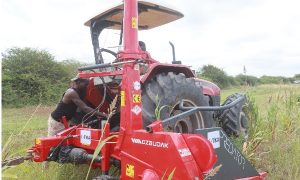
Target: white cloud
262,35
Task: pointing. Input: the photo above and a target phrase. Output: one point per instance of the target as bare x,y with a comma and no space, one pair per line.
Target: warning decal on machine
136,98
184,152
129,170
214,138
122,98
136,109
85,137
134,22
136,85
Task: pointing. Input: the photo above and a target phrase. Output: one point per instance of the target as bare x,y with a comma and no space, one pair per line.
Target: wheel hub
187,124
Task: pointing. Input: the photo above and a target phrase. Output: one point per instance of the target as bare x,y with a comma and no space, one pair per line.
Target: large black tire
234,120
165,91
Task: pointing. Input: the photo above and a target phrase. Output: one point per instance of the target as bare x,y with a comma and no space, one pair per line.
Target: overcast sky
262,35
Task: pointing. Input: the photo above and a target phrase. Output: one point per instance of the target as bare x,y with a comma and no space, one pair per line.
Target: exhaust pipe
173,54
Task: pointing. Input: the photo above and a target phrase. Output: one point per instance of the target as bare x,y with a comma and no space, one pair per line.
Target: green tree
71,66
247,80
275,80
215,74
297,76
233,81
31,76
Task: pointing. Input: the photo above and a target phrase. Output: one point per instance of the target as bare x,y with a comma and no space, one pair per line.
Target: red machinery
139,144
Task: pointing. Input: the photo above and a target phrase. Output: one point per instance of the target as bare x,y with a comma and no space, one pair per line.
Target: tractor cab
150,15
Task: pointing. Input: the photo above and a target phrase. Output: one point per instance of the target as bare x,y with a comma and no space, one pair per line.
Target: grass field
19,129
273,144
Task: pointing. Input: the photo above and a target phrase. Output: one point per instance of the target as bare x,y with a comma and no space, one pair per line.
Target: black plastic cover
234,164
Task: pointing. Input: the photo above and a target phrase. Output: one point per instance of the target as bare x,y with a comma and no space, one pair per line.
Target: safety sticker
214,138
122,98
134,22
38,141
184,152
136,67
136,85
85,137
129,170
136,98
136,109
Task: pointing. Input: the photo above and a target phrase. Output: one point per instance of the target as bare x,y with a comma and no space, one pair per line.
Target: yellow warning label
130,170
134,23
38,141
122,98
136,98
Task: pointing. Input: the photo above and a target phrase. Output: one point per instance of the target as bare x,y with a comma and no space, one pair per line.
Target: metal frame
191,110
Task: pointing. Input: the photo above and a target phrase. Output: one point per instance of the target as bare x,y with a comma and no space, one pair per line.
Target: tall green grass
280,153
20,126
274,120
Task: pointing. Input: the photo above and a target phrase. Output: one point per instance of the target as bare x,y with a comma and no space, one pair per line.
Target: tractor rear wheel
234,120
161,97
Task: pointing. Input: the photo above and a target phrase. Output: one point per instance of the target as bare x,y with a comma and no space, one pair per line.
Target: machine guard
233,163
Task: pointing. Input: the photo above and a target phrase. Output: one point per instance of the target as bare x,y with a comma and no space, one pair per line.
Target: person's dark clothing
63,109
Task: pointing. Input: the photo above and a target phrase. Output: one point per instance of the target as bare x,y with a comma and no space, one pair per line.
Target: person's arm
74,97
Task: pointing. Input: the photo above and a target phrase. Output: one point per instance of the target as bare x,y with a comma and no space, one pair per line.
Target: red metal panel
158,68
161,152
94,96
150,174
130,29
209,88
41,150
130,26
100,74
202,151
131,104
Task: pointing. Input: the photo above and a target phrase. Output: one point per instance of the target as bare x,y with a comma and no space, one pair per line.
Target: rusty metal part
17,160
13,161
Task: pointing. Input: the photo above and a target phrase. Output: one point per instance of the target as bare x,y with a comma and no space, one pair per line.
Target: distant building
297,81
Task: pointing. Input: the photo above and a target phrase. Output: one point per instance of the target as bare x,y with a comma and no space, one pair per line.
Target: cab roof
151,15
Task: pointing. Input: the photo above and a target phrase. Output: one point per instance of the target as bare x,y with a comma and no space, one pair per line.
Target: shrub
31,76
215,74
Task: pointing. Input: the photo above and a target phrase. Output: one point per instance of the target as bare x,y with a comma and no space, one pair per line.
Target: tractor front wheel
234,120
161,97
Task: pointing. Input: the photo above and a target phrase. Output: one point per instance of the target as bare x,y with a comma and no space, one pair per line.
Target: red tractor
163,119
170,83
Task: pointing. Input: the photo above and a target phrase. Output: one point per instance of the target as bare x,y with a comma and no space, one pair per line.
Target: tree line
31,76
220,77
